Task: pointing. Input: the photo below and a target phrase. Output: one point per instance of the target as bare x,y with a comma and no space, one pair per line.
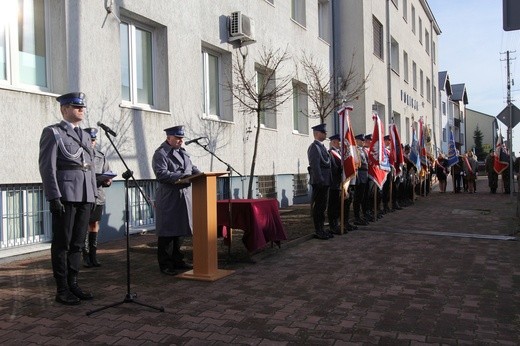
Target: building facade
146,66
487,125
394,44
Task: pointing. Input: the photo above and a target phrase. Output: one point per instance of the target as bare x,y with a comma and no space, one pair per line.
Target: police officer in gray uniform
173,203
320,179
66,164
102,167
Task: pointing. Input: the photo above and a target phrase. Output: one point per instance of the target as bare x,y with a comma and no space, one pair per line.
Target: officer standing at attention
102,166
334,203
320,179
173,203
66,162
361,182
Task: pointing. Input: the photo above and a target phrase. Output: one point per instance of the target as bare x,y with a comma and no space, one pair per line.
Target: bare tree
119,123
320,82
259,91
214,130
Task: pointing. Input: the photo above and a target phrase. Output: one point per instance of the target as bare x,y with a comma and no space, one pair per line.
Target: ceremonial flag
415,150
452,151
376,155
396,149
421,140
348,144
501,157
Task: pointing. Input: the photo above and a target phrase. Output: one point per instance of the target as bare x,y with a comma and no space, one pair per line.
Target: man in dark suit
66,164
320,179
173,203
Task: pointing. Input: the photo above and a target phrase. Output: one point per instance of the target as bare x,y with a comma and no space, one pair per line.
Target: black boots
74,288
90,251
64,295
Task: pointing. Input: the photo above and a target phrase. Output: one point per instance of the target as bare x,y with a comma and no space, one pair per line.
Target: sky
472,47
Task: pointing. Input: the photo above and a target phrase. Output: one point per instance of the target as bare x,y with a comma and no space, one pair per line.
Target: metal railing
25,217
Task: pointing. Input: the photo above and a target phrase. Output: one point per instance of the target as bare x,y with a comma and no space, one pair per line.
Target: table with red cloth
258,218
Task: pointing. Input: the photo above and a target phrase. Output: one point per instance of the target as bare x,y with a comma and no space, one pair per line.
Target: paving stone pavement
422,275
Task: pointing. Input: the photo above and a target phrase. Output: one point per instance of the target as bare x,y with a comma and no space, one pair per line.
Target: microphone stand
129,297
230,170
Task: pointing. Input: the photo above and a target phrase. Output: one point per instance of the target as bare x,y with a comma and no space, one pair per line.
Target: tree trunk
253,160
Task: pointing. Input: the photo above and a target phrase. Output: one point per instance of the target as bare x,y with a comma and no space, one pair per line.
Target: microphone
194,140
106,128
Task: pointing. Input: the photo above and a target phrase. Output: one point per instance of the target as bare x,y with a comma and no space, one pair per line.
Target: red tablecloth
258,218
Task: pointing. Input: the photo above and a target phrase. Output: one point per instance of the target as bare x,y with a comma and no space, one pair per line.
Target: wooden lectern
205,258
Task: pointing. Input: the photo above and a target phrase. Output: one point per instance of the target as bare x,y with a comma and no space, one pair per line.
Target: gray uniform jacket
319,164
362,174
102,166
173,204
66,165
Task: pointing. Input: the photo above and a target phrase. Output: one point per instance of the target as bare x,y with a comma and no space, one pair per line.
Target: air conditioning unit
241,27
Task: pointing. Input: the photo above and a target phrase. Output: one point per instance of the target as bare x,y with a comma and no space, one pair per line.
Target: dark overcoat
173,203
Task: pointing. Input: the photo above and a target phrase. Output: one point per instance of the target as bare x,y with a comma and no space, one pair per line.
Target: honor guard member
334,202
371,190
66,163
102,166
491,173
173,203
389,178
320,179
361,182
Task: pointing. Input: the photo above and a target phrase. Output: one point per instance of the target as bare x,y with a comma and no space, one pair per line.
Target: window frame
378,42
299,12
414,75
206,82
12,53
413,19
405,66
300,116
267,117
133,26
394,55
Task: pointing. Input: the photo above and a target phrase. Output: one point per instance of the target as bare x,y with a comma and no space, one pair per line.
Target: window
421,81
434,95
298,11
428,90
405,10
420,30
394,55
263,87
434,57
324,15
378,37
300,184
413,19
137,78
414,75
443,108
300,108
427,41
444,134
266,185
405,66
210,84
23,47
22,215
141,214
